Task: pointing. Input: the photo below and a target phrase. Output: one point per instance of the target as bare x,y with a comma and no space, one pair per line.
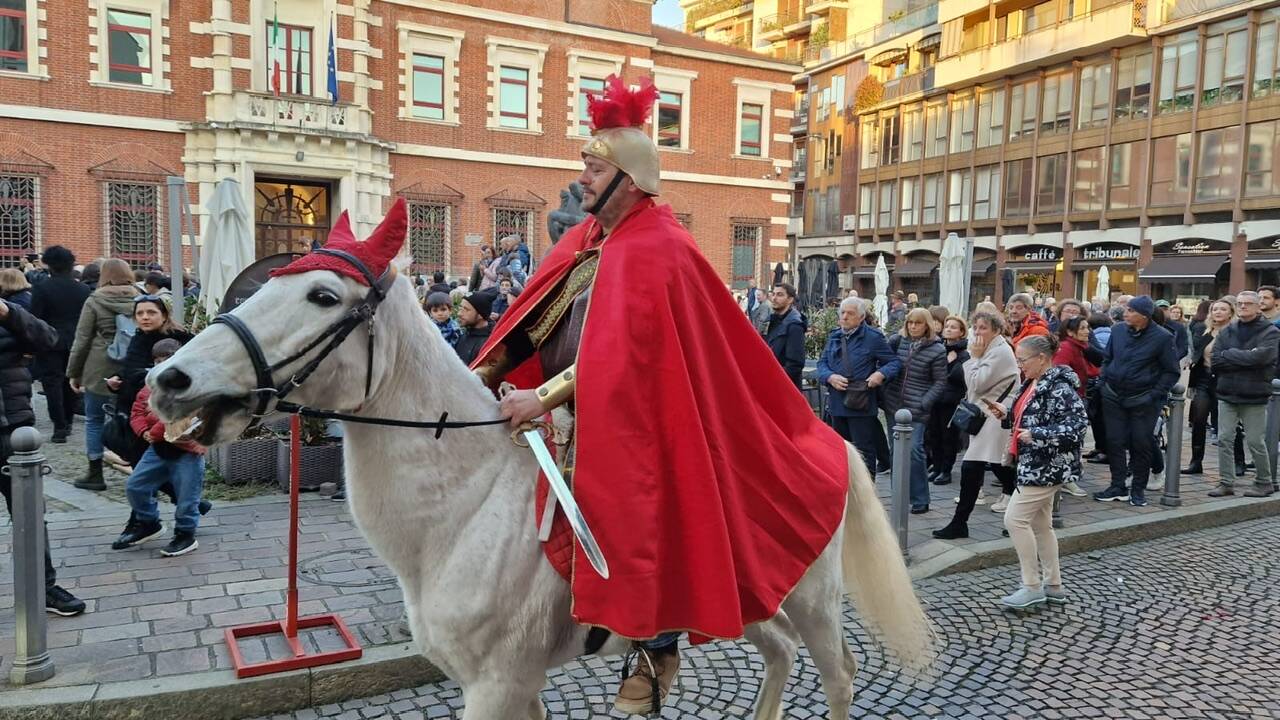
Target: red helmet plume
621,106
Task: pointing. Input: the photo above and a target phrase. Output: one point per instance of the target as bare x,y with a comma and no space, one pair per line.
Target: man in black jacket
785,334
1138,371
58,301
473,316
22,334
1244,361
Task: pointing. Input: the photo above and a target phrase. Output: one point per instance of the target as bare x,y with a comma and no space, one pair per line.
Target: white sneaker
1073,488
980,501
1157,482
1002,504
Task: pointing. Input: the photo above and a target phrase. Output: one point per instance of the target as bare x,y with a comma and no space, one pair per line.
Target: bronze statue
569,214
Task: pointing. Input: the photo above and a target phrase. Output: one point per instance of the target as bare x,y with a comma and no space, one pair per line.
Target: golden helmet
618,135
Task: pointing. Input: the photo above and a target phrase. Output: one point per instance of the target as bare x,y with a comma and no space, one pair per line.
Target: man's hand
875,379
75,385
114,382
978,347
1024,436
521,406
839,382
146,435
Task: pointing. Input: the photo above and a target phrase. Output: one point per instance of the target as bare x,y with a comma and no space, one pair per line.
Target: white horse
453,517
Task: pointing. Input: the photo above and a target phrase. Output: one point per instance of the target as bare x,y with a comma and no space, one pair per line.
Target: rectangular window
292,51
1055,103
866,206
592,86
990,117
17,218
870,142
1095,95
1051,184
1086,188
935,120
962,123
428,86
513,97
1040,16
131,222
1023,102
1262,165
986,193
890,138
913,133
959,195
1226,50
885,218
1017,188
1266,67
749,143
1178,70
746,238
429,236
833,209
1170,169
670,116
1133,86
929,203
907,205
513,221
1216,170
129,47
1128,169
13,35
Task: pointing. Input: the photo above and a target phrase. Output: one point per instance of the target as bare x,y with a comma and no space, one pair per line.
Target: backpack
125,330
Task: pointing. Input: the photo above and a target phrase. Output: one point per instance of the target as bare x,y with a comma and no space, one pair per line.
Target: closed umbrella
951,274
777,274
881,304
1104,284
228,243
833,281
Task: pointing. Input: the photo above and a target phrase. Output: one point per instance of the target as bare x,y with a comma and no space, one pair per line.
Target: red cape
707,480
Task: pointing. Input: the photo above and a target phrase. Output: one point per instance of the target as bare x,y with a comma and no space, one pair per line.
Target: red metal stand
290,625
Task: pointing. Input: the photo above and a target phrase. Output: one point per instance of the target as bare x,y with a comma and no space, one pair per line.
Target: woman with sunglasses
151,315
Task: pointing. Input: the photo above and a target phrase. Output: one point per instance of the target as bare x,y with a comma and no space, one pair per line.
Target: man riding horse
710,499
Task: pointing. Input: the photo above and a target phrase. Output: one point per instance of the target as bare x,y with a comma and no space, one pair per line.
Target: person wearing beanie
440,309
473,316
1139,369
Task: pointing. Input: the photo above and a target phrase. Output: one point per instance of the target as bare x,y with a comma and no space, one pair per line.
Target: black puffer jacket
1244,361
137,361
468,346
58,301
21,335
922,379
954,390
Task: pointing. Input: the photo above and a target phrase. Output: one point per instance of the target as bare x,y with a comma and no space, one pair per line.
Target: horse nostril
174,379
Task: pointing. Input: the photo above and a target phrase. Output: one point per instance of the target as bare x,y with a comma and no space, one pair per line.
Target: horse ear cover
376,252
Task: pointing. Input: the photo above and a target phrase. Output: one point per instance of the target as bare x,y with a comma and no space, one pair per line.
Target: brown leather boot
645,688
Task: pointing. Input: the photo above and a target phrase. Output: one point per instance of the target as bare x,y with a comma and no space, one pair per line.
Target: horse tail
875,575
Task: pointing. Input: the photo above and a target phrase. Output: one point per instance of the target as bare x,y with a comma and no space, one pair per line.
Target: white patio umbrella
881,303
952,270
1104,284
228,243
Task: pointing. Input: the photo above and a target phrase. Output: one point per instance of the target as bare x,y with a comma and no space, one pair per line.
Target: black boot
952,531
1197,460
93,479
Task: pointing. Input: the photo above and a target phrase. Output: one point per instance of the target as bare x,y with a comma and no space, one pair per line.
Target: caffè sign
1038,254
1196,246
1109,251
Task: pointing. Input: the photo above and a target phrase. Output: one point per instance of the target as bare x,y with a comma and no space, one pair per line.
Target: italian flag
274,60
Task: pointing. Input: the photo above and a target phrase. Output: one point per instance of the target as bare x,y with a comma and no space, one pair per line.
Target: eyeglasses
1023,361
148,298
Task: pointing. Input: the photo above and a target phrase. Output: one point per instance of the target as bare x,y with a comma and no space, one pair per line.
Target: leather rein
362,313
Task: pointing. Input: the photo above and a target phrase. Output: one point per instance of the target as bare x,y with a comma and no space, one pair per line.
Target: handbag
970,418
118,436
857,396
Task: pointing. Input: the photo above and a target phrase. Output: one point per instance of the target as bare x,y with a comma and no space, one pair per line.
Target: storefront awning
1032,267
1270,263
982,267
869,271
1095,264
1185,268
916,268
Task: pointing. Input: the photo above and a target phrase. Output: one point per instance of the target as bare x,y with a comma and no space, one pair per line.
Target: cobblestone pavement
1183,627
151,616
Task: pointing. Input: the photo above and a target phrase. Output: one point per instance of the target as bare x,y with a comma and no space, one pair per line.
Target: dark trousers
62,401
862,432
1203,415
942,441
1130,442
884,459
6,487
1097,418
971,474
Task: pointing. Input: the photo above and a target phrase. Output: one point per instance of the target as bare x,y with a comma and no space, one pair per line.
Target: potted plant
321,456
249,459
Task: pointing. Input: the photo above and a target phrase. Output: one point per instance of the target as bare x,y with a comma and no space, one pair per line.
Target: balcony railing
908,85
1181,9
713,7
777,21
914,19
295,113
1137,21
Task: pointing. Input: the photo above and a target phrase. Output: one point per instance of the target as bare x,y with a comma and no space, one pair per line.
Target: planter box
241,462
320,464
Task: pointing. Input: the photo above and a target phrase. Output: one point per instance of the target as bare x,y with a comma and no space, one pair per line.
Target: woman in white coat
990,373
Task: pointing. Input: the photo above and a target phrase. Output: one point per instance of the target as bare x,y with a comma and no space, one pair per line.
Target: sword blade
571,510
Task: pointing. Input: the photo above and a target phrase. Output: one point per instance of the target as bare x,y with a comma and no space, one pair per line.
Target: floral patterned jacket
1056,417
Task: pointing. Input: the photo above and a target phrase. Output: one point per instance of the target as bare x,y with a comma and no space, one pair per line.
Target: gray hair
1023,298
857,304
1042,345
1249,295
994,320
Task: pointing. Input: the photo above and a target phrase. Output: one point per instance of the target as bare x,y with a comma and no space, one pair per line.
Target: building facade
474,112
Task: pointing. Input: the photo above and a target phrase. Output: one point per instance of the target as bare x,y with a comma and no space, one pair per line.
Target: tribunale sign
1109,252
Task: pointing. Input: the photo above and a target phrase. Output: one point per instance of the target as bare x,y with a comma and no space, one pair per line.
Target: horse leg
509,697
537,711
815,611
777,642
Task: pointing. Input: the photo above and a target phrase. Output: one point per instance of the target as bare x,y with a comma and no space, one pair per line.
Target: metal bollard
1057,511
1173,453
1273,431
901,476
26,470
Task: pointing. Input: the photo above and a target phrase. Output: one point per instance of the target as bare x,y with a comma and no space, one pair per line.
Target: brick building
472,111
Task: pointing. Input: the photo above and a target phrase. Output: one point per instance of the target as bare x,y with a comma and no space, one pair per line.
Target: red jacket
142,420
1032,325
1071,354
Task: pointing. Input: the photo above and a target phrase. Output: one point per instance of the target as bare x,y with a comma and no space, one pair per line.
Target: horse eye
323,298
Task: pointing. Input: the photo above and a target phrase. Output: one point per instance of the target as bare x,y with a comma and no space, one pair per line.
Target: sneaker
1138,500
136,533
182,543
1055,594
1222,491
919,509
1157,482
1259,491
1111,493
60,438
1073,488
1023,597
1099,459
980,501
61,602
652,676
1002,504
339,496
205,506
1193,469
